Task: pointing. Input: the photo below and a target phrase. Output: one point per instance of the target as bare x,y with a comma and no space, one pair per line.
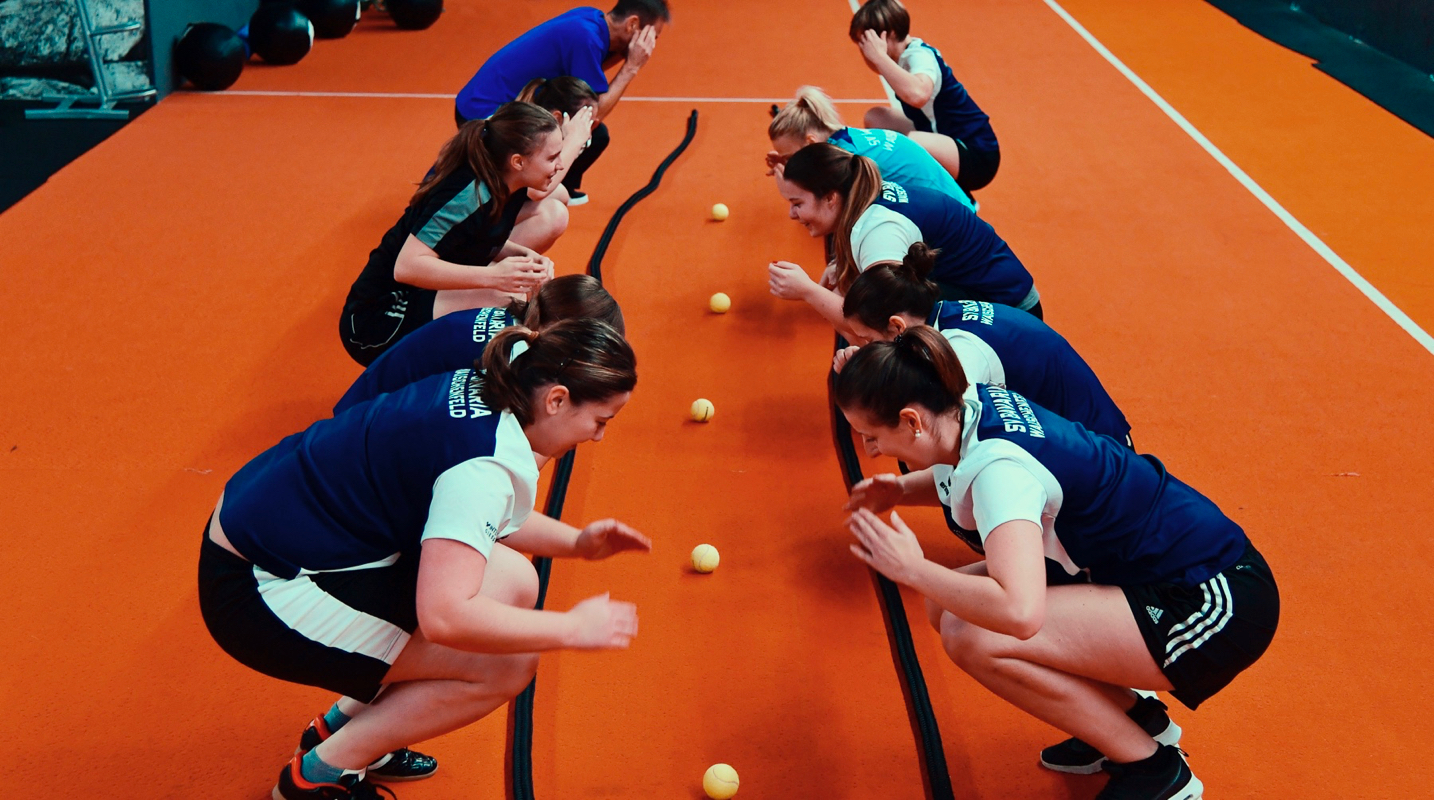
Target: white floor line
427,96
1340,265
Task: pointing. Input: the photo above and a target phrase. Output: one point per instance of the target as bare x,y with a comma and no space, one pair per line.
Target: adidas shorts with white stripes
1203,636
340,631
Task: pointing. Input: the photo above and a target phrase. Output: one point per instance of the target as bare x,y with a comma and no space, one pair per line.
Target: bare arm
638,51
1009,599
418,265
912,89
452,613
790,282
542,535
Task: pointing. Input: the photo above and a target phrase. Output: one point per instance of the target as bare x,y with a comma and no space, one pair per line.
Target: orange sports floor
171,305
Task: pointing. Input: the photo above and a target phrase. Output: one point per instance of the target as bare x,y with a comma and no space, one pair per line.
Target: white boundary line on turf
426,96
1315,243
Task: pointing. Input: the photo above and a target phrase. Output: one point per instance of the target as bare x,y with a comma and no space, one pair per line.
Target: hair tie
896,340
483,134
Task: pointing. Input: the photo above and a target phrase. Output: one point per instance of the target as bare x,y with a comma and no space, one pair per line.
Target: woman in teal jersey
811,118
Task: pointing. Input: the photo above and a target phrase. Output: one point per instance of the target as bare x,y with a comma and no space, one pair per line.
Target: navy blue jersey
355,491
973,257
950,111
1033,360
1101,506
451,342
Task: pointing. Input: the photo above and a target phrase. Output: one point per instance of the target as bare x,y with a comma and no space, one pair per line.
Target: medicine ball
414,15
280,34
333,19
210,56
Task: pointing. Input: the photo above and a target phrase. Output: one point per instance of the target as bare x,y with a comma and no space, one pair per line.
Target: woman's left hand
608,537
891,549
579,125
788,281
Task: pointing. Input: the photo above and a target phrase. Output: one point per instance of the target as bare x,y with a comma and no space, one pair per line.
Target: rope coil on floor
935,774
520,721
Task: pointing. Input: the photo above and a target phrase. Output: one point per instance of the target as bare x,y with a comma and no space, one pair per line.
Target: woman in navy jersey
472,211
1162,591
459,339
995,344
936,110
376,554
831,191
811,118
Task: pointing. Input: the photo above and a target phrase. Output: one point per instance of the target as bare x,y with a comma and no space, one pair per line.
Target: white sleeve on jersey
881,234
474,503
1004,491
921,61
978,360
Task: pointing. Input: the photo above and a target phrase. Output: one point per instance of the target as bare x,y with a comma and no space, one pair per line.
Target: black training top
453,220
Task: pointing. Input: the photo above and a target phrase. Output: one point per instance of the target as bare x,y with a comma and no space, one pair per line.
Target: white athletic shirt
881,234
921,61
996,482
978,360
482,500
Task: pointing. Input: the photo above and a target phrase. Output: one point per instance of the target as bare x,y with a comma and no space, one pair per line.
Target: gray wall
1401,28
169,18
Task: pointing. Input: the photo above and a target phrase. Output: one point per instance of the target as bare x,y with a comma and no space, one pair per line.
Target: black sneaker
1163,776
351,786
1078,758
400,765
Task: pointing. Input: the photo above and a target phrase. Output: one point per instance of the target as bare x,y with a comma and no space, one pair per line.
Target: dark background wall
1401,28
169,18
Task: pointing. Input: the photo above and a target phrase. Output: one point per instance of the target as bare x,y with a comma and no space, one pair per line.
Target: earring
918,434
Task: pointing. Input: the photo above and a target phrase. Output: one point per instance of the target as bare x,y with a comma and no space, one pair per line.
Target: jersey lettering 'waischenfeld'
453,341
1002,346
1101,506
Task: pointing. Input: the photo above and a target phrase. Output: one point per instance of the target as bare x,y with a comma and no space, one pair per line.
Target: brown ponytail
888,290
568,297
918,368
811,111
588,357
566,94
484,145
825,168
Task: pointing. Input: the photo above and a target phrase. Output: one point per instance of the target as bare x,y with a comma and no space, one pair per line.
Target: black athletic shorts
978,167
1203,636
339,631
368,329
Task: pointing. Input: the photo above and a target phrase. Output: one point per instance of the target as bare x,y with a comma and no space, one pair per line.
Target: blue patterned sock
315,770
335,719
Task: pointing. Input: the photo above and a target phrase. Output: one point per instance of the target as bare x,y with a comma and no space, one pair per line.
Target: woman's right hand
515,275
775,162
579,125
601,623
878,494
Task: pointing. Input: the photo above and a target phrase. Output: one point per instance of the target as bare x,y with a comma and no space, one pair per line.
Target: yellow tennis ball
720,782
702,410
719,212
705,558
720,302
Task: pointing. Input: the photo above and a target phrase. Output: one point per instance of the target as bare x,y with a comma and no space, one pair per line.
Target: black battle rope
520,721
898,629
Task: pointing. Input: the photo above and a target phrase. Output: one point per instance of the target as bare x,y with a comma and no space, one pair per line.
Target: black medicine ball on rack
280,34
210,56
414,15
333,19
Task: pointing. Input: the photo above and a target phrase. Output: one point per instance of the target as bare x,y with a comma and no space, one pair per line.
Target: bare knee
510,578
514,677
548,223
933,614
971,647
873,118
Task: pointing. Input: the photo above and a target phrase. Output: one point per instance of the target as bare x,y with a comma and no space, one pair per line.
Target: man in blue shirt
583,43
